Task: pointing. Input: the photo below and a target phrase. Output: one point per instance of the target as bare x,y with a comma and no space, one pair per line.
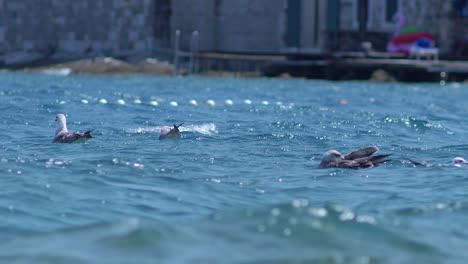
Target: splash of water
207,129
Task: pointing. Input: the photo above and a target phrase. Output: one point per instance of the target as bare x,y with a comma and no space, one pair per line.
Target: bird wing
67,137
361,153
359,163
369,162
378,159
174,133
73,137
417,163
352,164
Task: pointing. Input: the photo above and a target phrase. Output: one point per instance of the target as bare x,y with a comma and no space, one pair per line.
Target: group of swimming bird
357,159
63,136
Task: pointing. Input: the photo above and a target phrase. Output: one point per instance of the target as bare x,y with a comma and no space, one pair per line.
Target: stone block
2,34
28,45
71,36
133,35
140,45
139,20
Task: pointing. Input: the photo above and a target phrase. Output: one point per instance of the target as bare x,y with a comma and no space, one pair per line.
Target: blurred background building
54,30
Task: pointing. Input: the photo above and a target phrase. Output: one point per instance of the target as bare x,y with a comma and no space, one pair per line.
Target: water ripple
243,184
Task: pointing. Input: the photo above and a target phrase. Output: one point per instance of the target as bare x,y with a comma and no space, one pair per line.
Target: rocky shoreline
105,65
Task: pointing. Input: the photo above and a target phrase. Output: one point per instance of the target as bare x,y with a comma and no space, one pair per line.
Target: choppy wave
123,197
284,233
415,123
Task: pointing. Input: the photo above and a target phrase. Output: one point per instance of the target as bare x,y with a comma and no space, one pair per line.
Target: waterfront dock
337,66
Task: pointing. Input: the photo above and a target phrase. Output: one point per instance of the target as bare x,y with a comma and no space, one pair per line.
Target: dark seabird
63,136
170,133
358,159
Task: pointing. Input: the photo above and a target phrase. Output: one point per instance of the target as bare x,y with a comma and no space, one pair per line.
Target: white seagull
459,162
357,159
63,136
170,133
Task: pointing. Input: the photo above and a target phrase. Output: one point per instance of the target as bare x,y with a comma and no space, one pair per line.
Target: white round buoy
84,101
247,101
193,102
210,102
120,102
265,103
153,103
229,102
102,101
173,103
137,101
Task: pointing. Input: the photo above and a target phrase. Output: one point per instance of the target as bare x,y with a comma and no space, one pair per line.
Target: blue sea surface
243,184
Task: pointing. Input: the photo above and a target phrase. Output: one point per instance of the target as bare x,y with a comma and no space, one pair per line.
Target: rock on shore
106,65
380,75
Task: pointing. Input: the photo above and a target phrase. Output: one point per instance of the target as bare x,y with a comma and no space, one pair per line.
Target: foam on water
207,129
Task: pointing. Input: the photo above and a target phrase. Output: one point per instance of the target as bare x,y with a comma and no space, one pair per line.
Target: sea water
243,184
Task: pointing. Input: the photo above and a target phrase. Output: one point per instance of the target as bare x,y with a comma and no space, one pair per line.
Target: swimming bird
417,163
170,133
63,136
459,161
357,159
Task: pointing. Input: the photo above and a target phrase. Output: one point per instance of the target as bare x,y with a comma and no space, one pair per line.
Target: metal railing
178,53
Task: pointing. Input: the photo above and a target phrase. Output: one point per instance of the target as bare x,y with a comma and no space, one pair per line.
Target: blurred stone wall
232,25
56,30
250,25
189,16
35,30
